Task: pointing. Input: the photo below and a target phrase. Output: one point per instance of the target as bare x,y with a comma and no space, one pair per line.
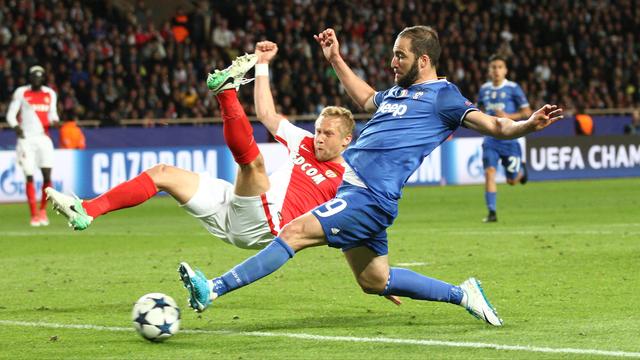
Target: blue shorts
509,154
354,218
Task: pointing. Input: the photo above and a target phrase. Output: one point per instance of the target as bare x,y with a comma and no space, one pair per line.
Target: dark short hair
424,41
498,57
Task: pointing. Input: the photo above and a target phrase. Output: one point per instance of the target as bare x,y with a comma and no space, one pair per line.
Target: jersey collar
502,84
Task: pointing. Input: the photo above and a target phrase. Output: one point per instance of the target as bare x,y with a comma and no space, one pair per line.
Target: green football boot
233,76
70,207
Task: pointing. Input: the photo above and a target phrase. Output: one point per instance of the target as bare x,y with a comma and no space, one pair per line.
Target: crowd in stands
111,65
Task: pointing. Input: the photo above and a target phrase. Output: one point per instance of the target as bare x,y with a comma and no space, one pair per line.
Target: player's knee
256,164
296,235
371,286
291,232
511,182
159,173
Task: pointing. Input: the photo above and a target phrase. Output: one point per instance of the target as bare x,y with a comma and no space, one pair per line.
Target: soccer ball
156,317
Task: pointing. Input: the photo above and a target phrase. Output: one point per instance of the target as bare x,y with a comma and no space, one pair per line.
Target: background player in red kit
31,112
252,212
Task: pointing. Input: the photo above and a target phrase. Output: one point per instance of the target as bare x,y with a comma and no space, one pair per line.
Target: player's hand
501,113
19,132
545,116
394,299
329,43
266,50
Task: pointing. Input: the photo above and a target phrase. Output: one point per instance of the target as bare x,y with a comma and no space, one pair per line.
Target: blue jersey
507,97
407,126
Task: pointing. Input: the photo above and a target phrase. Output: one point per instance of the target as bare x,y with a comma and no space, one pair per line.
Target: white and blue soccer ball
156,316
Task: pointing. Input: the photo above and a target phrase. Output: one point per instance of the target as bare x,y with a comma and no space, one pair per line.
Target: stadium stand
111,65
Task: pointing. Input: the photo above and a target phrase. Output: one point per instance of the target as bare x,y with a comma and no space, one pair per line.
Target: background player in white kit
31,112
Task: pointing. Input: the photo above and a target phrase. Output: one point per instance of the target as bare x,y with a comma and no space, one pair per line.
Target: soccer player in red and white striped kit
249,213
31,113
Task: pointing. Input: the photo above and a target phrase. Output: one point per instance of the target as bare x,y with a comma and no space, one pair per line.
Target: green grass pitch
562,267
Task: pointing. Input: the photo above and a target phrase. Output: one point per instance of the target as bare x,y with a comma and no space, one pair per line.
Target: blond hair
348,123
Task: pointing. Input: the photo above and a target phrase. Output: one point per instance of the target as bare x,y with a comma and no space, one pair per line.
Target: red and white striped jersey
33,110
303,182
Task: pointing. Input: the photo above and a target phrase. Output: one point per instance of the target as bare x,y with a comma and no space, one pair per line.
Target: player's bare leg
374,276
491,190
370,270
252,178
179,183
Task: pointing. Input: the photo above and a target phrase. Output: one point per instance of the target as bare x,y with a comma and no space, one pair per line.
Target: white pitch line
410,264
36,232
544,232
375,340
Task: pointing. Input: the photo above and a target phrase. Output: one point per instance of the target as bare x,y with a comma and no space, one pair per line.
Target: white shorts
34,152
243,221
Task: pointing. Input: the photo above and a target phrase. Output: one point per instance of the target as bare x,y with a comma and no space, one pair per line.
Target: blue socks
403,282
254,268
490,199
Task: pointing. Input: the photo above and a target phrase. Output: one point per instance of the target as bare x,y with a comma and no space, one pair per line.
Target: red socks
31,198
43,200
129,193
238,133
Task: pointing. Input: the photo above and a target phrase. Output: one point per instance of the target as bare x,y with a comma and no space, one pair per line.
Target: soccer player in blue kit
503,98
412,119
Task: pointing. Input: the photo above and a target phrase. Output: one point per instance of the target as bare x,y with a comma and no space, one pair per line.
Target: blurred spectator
634,127
583,122
71,136
222,36
180,23
586,53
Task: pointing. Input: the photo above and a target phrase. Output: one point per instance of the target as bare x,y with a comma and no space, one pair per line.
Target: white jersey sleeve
53,109
290,135
14,107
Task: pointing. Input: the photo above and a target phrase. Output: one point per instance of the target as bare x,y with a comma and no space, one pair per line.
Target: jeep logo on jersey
394,109
307,168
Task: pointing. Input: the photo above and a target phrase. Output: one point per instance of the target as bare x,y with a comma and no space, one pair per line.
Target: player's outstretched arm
504,128
265,107
357,88
521,114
